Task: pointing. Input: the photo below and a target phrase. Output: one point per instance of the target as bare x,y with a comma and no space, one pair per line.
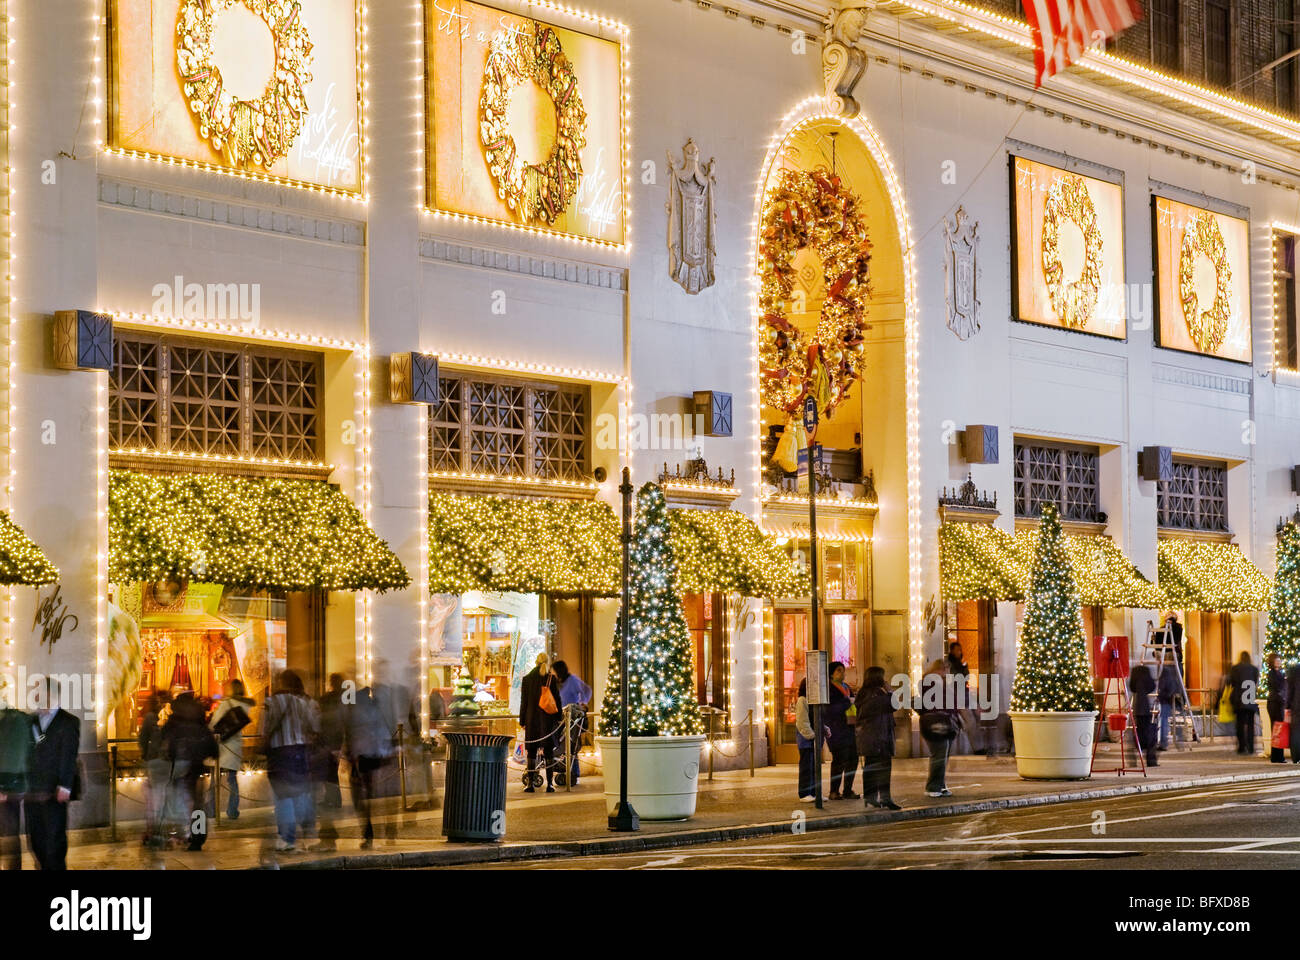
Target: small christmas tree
661,696
1052,672
1283,635
462,697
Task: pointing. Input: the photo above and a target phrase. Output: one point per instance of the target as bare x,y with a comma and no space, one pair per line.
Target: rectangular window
1284,299
1284,74
509,428
1218,42
176,395
1059,474
1166,48
1196,498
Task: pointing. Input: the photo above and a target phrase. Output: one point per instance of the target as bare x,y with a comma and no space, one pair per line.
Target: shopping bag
1226,713
1281,735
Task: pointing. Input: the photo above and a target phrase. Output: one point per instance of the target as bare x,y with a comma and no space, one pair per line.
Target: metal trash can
474,798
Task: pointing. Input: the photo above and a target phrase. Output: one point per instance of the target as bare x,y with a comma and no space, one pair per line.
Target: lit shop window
1059,474
1196,498
186,396
510,428
1284,302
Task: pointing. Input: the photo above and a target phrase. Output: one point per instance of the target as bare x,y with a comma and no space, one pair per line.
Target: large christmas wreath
812,210
246,132
1074,301
537,191
1207,327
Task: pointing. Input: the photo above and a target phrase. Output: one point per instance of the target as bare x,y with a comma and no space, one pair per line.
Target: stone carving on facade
961,275
843,62
692,220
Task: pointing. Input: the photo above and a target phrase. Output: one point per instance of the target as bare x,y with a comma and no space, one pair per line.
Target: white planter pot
1053,746
663,775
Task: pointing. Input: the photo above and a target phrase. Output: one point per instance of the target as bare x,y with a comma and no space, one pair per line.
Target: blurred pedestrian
575,696
1169,691
232,715
875,708
1276,705
939,725
539,715
156,769
289,724
841,715
806,744
15,755
53,780
329,745
1142,685
371,752
1244,697
1293,706
188,744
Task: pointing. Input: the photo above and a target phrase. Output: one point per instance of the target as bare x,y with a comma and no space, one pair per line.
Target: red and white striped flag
1064,29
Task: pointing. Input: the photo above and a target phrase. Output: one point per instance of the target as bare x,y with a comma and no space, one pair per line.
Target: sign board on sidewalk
819,686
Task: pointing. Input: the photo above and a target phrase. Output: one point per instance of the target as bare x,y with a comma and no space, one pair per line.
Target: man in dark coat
52,780
1244,680
539,724
1293,706
1173,636
188,744
1276,704
1142,685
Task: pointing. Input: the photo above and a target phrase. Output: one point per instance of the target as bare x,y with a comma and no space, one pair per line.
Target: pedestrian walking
371,752
539,715
841,716
188,744
875,732
1169,693
1293,706
939,725
1276,706
156,769
53,781
575,696
15,755
805,741
1142,685
289,724
1243,680
232,715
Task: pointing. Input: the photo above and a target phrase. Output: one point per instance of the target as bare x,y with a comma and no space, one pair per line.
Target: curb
511,853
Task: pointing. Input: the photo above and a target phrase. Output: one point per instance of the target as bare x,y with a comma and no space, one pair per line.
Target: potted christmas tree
665,731
1053,707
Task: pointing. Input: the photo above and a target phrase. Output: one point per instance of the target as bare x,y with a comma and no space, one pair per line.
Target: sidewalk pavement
732,806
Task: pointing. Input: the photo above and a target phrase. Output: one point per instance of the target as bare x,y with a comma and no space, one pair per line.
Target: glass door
792,636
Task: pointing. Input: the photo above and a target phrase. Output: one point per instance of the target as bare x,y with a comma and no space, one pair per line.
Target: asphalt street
1234,827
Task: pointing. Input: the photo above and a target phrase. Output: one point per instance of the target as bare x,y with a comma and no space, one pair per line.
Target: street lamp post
811,418
624,818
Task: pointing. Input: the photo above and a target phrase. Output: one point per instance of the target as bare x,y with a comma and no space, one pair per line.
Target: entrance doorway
843,636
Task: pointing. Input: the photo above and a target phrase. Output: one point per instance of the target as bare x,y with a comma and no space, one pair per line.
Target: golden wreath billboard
1068,245
267,88
524,121
1202,267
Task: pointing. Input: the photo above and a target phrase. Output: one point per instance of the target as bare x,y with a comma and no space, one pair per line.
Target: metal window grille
1165,42
177,395
1218,42
509,428
1065,476
1196,498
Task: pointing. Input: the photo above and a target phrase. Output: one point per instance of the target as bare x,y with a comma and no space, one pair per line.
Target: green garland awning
724,551
22,562
522,545
1211,576
1104,575
262,533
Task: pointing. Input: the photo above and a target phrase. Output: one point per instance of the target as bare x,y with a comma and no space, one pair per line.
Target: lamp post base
624,819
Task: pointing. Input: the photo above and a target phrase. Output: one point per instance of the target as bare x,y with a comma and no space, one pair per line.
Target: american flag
1064,29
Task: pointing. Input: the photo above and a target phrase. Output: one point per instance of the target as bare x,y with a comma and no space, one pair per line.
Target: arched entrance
869,555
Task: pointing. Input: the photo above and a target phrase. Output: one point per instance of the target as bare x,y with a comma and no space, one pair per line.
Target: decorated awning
1211,576
522,545
1104,575
21,561
981,562
261,533
978,561
724,551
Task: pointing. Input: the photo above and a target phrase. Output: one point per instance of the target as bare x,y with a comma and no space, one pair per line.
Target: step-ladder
1157,650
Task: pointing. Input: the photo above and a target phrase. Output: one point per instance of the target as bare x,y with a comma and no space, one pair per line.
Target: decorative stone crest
961,275
692,220
843,63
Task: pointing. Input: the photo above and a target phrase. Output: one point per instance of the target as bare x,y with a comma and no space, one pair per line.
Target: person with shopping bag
1276,706
539,715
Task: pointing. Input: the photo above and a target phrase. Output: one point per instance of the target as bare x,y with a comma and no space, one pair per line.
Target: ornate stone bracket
843,62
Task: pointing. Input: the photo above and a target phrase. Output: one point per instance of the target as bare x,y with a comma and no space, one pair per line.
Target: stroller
560,763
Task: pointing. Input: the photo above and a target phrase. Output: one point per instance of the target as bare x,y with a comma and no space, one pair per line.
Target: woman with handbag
229,719
939,726
539,715
840,717
1276,706
875,707
289,724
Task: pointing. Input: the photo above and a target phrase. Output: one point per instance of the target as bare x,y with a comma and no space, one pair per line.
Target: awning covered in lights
724,551
22,562
523,545
262,533
1211,576
1104,575
978,561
